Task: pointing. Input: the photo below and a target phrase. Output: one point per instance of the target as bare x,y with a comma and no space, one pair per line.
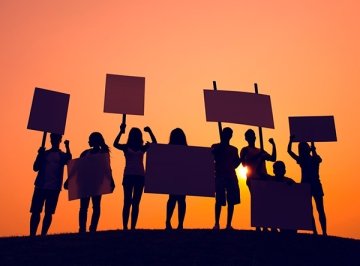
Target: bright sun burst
241,172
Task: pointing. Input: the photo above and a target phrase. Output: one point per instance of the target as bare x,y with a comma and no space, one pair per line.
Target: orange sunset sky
305,54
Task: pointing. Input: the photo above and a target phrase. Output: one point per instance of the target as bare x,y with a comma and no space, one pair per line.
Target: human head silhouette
304,149
226,134
96,140
250,136
135,138
279,169
177,137
55,140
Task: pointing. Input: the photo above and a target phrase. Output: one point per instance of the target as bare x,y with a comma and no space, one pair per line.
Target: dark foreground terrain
187,247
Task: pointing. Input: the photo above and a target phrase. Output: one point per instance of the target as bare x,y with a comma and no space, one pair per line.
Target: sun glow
241,172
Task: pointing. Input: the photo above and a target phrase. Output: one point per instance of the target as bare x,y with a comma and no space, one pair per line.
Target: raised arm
272,157
152,136
117,144
314,153
67,151
289,149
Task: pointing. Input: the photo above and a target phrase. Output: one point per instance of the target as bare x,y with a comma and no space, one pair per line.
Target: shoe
216,227
229,227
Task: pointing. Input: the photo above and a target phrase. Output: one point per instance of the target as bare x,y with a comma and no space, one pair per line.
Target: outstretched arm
289,149
117,144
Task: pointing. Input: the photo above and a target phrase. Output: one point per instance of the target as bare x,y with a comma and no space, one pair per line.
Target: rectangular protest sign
180,170
124,94
281,205
48,111
89,176
313,128
238,107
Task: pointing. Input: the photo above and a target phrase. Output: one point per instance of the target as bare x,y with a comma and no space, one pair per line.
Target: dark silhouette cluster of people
50,164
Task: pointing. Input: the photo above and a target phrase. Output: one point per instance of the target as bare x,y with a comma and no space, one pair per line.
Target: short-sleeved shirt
134,164
254,159
226,160
50,175
310,173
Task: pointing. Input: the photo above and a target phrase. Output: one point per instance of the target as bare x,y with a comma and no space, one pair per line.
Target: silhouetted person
50,167
97,146
309,162
254,159
177,137
279,171
226,182
134,172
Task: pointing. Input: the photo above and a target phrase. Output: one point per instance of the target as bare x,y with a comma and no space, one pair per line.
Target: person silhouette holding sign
50,167
226,182
134,172
309,162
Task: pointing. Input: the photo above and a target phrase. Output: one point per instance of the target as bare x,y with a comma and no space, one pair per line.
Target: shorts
48,197
133,180
316,189
227,190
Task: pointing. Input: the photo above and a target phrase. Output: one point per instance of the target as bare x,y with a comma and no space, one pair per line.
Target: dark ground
187,247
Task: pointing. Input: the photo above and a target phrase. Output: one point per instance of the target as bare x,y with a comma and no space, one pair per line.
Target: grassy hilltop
187,247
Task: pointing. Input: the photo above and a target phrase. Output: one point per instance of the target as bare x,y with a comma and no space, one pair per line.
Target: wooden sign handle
219,123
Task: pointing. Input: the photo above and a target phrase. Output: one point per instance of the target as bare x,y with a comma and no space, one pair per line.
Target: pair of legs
227,189
133,186
180,199
319,202
42,197
230,213
84,205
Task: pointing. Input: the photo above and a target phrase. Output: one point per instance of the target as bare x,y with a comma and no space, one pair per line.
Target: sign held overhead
48,111
238,107
124,94
313,128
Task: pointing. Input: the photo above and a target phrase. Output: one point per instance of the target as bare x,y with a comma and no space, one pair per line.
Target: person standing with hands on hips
134,172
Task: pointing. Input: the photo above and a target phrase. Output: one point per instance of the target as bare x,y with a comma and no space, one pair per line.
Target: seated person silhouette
279,171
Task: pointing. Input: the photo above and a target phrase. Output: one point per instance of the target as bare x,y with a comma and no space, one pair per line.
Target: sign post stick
43,139
123,119
219,123
260,128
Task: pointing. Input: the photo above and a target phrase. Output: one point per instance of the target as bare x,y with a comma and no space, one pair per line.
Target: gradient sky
305,54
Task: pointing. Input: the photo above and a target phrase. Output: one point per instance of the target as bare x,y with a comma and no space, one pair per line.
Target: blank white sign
280,205
48,111
180,170
238,107
124,94
89,176
313,128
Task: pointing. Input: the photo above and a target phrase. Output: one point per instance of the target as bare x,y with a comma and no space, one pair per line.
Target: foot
216,227
229,227
168,226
